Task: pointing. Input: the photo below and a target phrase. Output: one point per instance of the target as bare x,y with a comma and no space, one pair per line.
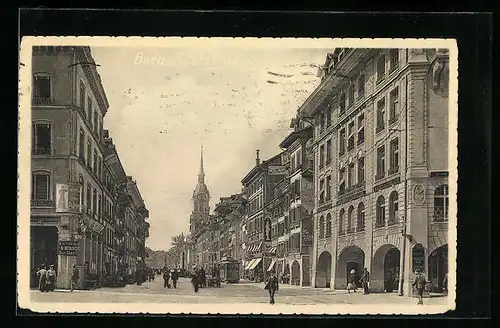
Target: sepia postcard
237,175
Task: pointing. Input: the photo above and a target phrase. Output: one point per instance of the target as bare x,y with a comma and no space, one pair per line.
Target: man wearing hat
419,285
75,275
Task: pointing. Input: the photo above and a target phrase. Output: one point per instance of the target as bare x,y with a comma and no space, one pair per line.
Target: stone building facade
72,194
380,147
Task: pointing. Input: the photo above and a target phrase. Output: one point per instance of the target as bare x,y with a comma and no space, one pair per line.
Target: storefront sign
278,170
62,201
307,236
69,247
267,231
418,258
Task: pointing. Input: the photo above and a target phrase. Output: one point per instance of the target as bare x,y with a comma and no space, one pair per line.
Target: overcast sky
167,102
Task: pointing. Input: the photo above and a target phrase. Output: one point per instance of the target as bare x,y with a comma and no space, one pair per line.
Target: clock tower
201,199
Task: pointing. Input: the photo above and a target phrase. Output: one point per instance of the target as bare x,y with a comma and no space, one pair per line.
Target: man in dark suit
419,285
272,286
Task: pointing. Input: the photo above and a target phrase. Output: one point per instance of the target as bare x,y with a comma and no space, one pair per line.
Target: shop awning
271,266
255,263
249,263
273,250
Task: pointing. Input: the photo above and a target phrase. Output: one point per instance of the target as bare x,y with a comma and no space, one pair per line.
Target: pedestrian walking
51,278
419,284
195,281
365,279
351,281
272,286
175,276
75,275
42,278
166,278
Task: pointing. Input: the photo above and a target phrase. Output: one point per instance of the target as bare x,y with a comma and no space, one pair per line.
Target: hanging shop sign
69,247
278,170
418,258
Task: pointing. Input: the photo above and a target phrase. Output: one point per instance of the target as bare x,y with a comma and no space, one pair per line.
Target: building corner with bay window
85,210
380,147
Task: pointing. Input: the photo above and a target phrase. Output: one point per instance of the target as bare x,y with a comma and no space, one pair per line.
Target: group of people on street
352,281
46,278
170,274
198,279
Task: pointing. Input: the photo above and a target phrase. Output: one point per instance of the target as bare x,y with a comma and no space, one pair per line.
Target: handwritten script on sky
165,103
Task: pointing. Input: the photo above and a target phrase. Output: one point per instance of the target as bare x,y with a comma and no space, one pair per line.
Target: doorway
357,269
438,268
43,250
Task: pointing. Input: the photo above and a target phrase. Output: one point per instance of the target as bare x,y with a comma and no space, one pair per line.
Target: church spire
201,174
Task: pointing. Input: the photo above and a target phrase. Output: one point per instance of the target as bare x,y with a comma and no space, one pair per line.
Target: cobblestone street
245,292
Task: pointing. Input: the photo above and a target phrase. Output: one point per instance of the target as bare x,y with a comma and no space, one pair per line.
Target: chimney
257,159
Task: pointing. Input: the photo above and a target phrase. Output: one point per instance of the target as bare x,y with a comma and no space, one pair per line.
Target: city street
244,292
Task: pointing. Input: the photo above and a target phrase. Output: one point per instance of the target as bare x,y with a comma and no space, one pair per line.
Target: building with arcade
381,167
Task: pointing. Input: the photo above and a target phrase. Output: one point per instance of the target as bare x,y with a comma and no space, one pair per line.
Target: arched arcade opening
295,273
385,269
438,268
323,270
351,258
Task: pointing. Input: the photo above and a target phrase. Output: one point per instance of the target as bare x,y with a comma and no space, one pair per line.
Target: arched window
380,220
328,225
322,227
341,221
393,208
350,219
361,217
441,203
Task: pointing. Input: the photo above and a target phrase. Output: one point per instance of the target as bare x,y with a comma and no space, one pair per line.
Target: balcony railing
440,213
379,176
351,230
380,224
39,101
379,128
360,228
392,222
392,119
42,150
42,203
341,232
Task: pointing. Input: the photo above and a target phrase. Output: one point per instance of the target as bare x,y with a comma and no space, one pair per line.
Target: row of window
356,88
42,93
357,222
